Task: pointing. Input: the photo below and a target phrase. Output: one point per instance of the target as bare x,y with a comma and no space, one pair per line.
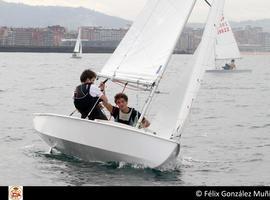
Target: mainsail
226,45
144,53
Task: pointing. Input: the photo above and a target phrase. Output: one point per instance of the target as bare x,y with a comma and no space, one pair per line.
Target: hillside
21,15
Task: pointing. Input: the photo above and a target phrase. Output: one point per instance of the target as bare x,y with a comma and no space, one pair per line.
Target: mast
161,70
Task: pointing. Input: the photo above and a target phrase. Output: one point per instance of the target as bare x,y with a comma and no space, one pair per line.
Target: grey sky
236,10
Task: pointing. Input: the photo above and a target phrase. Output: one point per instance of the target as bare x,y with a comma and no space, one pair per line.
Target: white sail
165,107
78,46
211,63
145,50
204,55
81,48
226,45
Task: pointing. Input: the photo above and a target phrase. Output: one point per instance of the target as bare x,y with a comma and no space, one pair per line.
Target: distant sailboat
225,49
139,61
226,46
77,53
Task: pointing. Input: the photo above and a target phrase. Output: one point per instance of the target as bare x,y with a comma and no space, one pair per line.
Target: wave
44,104
260,127
240,125
211,117
192,160
229,101
189,161
45,88
246,88
218,88
242,106
10,139
252,160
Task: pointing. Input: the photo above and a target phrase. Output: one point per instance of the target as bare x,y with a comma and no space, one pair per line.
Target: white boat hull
228,71
76,57
103,141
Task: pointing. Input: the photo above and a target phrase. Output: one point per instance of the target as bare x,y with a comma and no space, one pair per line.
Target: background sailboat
226,46
225,50
77,53
140,61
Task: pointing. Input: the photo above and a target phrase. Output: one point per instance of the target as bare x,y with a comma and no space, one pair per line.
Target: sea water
226,140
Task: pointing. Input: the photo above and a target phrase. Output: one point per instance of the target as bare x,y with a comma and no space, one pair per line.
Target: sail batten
148,45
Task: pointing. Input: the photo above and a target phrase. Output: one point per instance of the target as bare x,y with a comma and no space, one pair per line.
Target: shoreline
88,50
23,49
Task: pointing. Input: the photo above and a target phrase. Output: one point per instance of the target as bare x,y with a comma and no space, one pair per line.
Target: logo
199,193
15,193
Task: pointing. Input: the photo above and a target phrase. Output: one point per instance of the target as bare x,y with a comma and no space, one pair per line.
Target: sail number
223,28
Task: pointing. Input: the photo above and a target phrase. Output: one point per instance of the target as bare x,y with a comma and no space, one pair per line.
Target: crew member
87,97
124,114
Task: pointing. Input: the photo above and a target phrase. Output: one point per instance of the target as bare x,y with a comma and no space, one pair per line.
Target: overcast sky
236,10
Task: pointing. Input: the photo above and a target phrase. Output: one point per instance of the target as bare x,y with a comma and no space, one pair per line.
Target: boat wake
57,155
170,167
189,161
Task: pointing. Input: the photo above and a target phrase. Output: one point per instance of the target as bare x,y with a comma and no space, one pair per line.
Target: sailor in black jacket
87,97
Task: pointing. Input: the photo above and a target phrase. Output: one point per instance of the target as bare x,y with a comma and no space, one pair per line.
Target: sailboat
225,49
77,53
140,61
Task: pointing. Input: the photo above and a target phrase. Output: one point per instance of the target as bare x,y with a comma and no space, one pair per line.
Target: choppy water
226,140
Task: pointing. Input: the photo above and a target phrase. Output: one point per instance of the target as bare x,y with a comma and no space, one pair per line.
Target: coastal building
267,42
248,38
189,40
95,37
252,39
102,34
29,37
4,32
22,36
55,35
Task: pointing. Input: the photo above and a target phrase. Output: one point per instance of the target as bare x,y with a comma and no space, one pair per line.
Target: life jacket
130,118
83,101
